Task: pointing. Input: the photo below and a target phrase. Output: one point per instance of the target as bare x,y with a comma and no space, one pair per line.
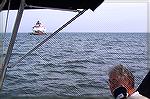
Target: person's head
119,76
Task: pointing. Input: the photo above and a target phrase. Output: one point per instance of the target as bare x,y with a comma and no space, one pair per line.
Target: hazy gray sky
108,17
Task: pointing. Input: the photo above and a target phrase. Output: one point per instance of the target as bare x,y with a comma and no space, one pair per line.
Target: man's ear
109,81
131,84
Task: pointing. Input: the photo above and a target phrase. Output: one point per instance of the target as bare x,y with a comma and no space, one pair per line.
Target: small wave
69,51
46,79
54,71
74,72
49,65
77,61
83,81
91,83
85,61
89,86
133,59
18,54
21,54
59,86
89,51
11,77
31,74
57,56
33,54
97,62
74,66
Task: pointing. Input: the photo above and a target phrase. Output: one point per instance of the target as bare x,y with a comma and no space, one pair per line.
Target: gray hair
122,73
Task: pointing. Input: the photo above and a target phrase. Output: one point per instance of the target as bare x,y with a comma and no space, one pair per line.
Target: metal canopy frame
2,4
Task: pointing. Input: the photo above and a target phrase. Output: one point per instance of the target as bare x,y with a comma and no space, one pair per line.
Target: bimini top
60,4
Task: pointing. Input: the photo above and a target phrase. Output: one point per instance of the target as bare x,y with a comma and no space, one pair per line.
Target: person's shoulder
136,95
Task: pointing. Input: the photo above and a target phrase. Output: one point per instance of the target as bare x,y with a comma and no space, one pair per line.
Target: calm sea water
72,64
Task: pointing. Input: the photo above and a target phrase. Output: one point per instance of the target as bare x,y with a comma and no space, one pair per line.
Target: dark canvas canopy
61,4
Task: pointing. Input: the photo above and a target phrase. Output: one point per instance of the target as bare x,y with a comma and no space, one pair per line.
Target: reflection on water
73,64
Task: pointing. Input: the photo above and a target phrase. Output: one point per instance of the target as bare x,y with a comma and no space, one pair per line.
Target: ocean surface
72,64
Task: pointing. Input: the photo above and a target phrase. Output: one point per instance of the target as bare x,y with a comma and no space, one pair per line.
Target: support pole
2,4
12,41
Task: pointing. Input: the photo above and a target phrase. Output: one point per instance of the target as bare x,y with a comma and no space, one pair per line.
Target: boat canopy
60,4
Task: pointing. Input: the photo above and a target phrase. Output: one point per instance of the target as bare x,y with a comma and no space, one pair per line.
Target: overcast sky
108,17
